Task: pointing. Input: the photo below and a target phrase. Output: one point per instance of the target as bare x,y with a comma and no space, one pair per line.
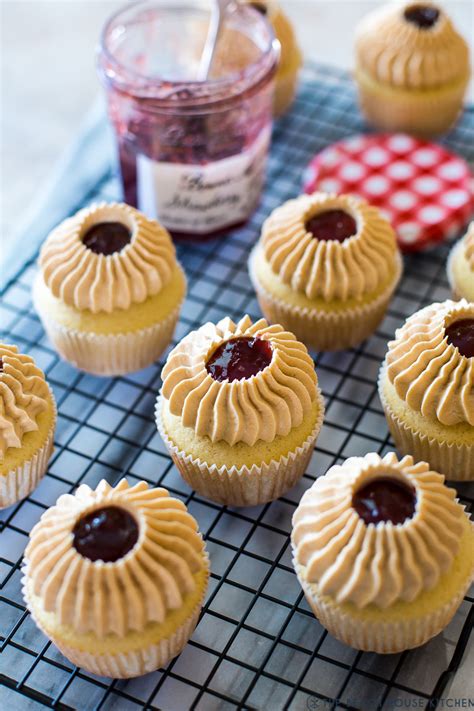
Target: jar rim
173,92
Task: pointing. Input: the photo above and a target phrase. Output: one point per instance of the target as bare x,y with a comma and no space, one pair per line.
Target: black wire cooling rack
257,646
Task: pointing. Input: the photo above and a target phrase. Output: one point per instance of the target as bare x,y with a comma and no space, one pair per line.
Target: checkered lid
425,191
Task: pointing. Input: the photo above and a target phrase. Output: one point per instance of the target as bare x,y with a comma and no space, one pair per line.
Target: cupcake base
124,657
423,113
20,481
388,637
242,486
454,460
135,663
115,354
324,330
460,275
120,350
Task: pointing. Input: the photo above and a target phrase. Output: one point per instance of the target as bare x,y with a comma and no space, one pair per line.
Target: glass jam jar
192,153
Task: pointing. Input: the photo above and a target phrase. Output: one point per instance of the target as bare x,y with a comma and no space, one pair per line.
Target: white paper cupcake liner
374,636
325,330
21,481
110,354
243,486
454,461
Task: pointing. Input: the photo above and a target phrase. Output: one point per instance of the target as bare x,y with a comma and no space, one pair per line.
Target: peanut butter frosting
469,246
428,372
85,279
261,407
24,394
142,587
376,564
330,270
398,53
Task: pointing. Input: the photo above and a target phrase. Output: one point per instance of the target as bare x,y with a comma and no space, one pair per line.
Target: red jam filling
239,358
105,534
107,237
461,335
385,499
259,6
1,365
332,225
423,16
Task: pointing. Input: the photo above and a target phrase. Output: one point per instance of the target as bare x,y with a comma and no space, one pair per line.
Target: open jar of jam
192,152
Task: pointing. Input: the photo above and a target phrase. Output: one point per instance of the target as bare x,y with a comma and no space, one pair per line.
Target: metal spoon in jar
218,13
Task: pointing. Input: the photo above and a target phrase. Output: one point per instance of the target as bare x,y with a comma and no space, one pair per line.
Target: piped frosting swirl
261,407
151,580
368,564
427,371
86,280
24,394
330,270
469,246
396,52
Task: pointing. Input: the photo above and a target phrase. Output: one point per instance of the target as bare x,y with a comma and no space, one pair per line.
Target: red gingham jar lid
426,192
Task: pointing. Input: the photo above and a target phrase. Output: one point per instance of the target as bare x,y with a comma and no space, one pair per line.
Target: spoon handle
218,13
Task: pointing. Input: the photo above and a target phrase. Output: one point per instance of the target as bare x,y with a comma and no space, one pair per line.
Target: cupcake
109,291
426,386
27,423
240,410
383,551
461,266
116,577
326,267
290,55
412,68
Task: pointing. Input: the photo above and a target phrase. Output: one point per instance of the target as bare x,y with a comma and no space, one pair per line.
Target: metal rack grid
257,644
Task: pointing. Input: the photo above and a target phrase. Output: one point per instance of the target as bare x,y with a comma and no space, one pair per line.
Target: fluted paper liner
135,662
455,461
325,330
21,481
424,113
110,354
242,486
374,636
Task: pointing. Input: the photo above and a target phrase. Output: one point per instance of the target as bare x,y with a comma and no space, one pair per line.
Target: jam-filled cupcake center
239,358
461,335
423,16
385,499
335,225
259,6
106,534
107,237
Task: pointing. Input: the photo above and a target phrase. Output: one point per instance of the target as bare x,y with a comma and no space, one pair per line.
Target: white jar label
203,198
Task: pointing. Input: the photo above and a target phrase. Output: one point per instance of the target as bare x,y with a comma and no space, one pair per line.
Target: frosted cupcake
290,55
383,551
412,68
116,577
326,267
461,266
109,291
240,410
27,423
426,387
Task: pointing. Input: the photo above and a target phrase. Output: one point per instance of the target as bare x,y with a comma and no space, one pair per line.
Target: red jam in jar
192,153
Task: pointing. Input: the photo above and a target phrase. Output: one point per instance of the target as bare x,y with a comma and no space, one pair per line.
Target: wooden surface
49,77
